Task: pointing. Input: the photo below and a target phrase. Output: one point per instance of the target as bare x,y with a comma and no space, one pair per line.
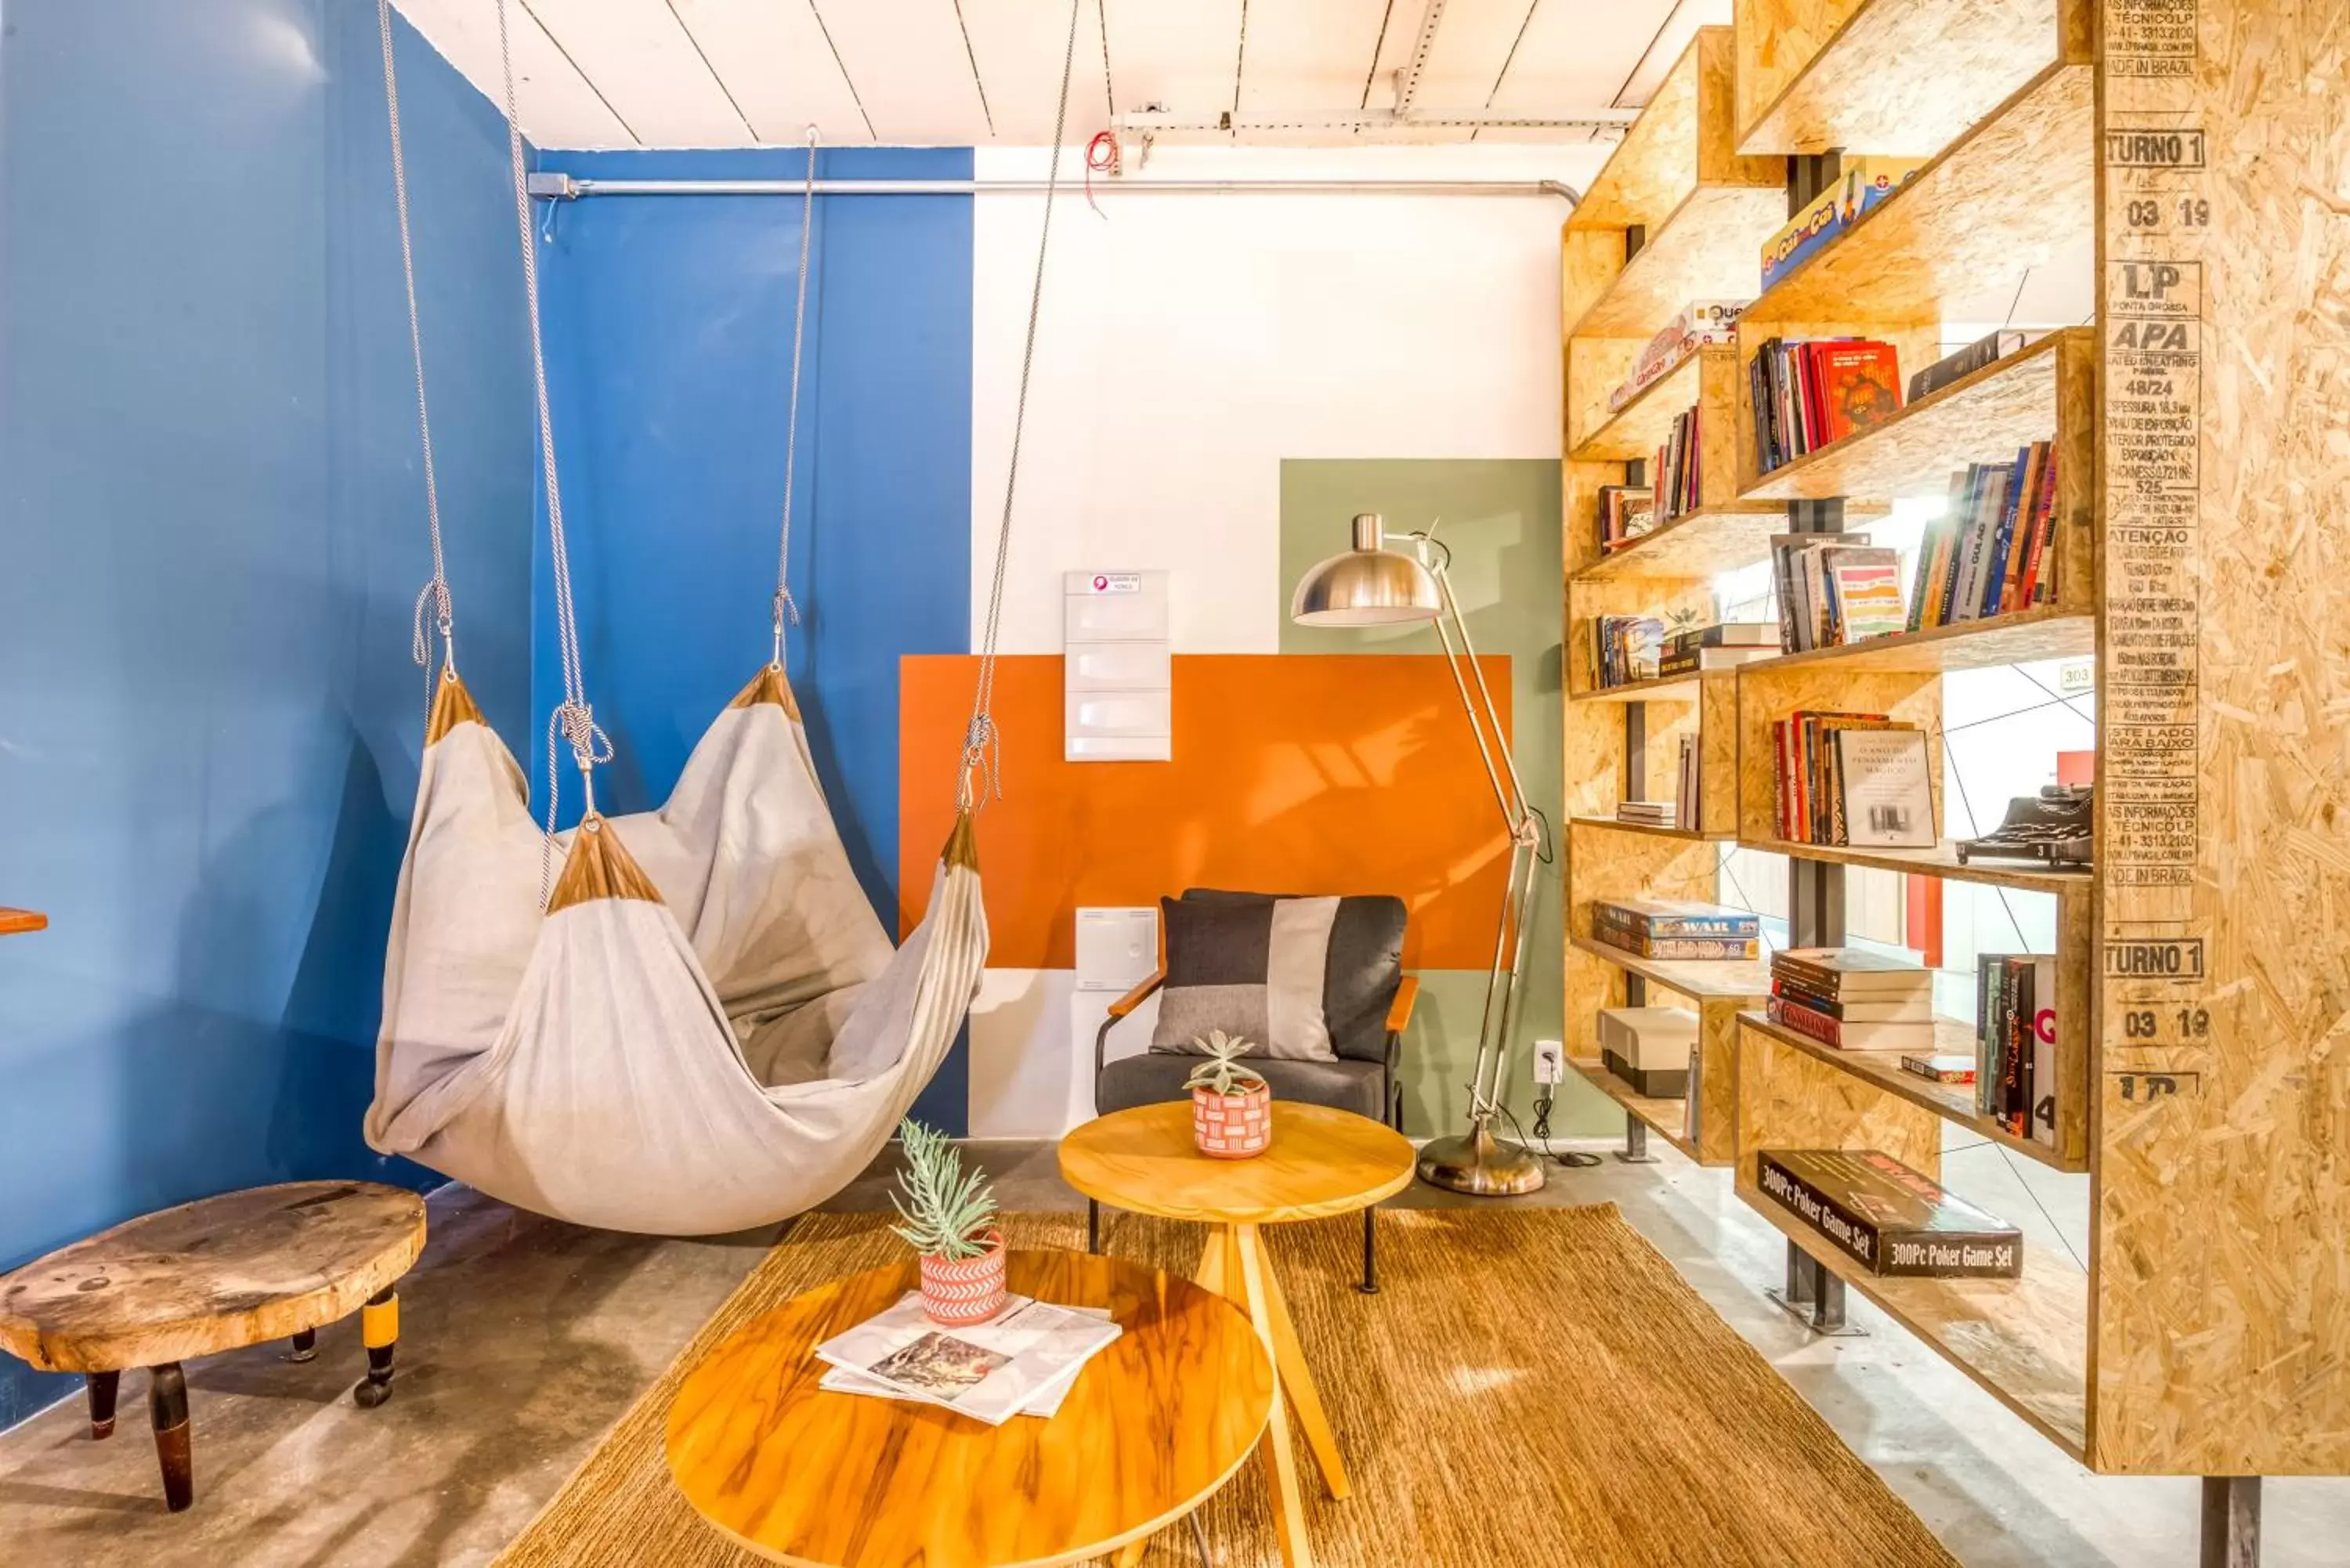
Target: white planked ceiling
743,73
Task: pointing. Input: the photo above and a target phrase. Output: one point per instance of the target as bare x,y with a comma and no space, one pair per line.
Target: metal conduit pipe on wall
562,187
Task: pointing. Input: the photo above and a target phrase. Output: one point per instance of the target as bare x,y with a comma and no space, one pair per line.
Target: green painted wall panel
1500,518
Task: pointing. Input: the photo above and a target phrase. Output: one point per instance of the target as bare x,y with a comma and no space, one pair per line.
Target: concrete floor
523,1339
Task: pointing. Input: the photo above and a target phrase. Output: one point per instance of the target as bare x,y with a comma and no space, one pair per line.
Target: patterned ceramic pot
1233,1126
959,1292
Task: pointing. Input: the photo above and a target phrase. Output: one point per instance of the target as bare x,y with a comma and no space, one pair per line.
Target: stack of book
1858,780
1675,469
1852,1000
1993,550
1649,813
1701,324
2015,1040
1722,646
1625,513
1810,392
1675,928
1022,1361
1626,648
1834,589
1887,1217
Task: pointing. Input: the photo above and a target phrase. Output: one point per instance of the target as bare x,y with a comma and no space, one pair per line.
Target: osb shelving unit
2204,560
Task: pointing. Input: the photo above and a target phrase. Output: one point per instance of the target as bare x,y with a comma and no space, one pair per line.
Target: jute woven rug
1531,1388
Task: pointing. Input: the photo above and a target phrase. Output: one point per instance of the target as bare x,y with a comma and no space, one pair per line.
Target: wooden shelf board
2025,1341
1980,418
1664,1117
1670,689
13,922
1951,1102
1699,980
1616,824
1905,76
1709,248
1941,861
2010,193
1633,432
2044,631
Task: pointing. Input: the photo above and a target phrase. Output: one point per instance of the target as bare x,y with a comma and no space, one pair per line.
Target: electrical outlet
1549,1062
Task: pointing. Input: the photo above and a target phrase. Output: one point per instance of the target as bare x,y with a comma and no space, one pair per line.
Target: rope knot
983,763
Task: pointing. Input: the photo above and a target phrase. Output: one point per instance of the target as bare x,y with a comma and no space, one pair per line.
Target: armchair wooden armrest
1400,1011
1133,999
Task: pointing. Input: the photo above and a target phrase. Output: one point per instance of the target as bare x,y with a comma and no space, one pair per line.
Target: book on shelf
1886,799
1020,1360
1848,974
1674,471
1700,324
1984,351
1627,511
1725,634
1811,802
1624,647
1649,813
1648,1048
1697,661
1834,589
1941,1069
1992,550
2015,1032
1690,778
1863,184
1676,918
1809,393
1845,1034
1673,947
1886,1217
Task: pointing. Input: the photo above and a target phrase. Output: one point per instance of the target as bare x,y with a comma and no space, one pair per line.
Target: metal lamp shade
1367,585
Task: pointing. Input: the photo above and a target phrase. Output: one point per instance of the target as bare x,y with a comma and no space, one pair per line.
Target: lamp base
1478,1164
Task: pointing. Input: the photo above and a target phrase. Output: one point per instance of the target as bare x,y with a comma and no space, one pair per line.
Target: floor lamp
1371,585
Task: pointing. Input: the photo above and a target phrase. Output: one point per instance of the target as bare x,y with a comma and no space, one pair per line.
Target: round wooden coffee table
272,1262
1155,1424
1322,1162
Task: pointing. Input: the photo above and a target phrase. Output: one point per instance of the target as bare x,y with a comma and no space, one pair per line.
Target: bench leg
103,1386
167,1407
380,1328
305,1345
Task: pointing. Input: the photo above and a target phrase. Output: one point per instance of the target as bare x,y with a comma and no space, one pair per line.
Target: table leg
1289,1362
1211,1275
167,1410
379,1331
103,1386
1131,1553
1247,1260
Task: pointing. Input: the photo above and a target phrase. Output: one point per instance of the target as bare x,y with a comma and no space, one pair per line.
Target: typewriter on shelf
2055,827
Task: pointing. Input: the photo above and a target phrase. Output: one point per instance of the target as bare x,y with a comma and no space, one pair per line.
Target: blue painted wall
211,520
669,327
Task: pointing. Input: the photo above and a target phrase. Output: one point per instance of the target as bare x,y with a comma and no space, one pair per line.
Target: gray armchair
1368,1000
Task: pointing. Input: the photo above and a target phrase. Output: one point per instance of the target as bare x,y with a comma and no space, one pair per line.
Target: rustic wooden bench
273,1262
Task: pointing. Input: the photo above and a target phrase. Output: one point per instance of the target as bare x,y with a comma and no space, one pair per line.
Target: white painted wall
1188,344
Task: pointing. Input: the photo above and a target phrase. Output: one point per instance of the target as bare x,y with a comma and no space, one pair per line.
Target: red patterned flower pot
960,1291
1233,1126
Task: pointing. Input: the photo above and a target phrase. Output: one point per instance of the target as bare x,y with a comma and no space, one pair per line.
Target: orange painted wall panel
1292,772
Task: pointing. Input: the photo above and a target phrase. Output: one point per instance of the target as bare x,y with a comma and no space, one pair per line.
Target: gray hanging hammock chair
699,1025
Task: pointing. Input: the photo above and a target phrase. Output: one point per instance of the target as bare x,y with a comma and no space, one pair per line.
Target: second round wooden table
1322,1162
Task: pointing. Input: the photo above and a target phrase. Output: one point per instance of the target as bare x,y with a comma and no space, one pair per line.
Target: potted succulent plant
1231,1105
950,1220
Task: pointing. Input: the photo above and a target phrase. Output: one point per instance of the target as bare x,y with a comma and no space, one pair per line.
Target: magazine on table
1022,1360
